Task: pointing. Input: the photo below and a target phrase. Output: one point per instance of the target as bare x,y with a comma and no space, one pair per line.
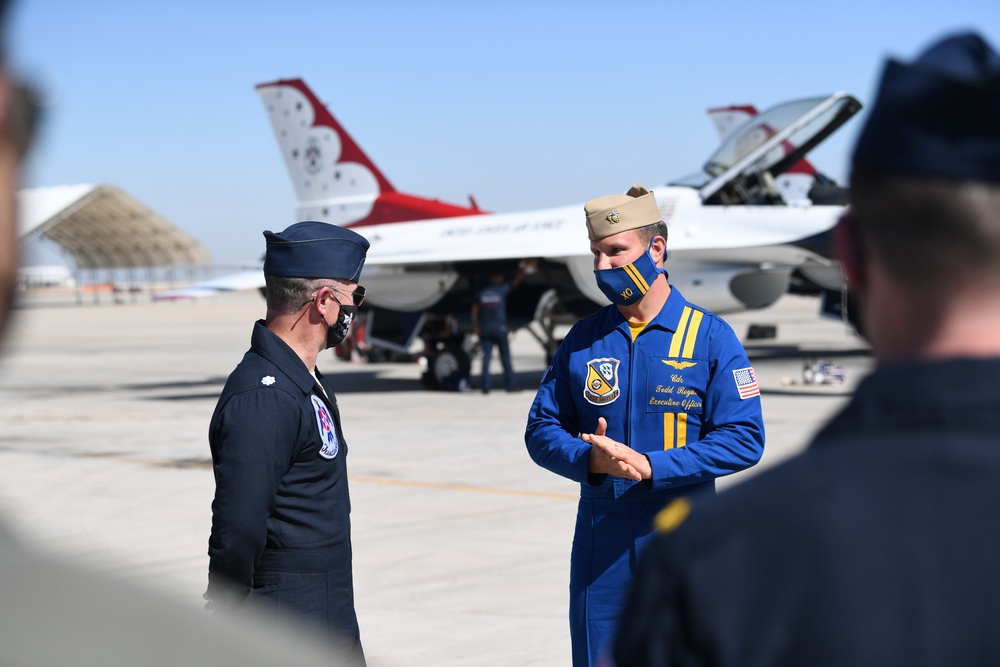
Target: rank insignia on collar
613,217
267,380
602,381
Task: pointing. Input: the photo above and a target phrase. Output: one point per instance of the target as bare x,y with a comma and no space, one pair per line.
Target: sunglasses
358,295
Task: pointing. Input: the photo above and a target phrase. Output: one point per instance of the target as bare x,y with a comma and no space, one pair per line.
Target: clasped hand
615,458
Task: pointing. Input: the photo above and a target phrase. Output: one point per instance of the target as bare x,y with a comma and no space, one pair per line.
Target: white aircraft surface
734,242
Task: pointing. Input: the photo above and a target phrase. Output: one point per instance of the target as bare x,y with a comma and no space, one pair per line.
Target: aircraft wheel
450,369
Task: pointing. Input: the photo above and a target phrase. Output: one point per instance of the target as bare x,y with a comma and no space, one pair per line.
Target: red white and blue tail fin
334,179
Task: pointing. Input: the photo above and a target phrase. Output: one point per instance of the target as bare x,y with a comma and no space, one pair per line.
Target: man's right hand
603,455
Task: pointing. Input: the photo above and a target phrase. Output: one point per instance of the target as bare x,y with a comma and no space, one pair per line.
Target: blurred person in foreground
651,398
55,613
879,544
281,524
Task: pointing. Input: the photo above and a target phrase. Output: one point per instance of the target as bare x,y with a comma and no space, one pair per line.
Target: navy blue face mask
624,285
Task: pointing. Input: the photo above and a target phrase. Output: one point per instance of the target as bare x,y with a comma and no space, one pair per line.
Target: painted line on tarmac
463,487
207,463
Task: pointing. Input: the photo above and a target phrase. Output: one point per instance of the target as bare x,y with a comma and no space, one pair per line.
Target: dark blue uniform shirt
281,479
879,545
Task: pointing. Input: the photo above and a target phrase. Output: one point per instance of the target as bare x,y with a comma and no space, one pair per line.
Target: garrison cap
315,250
619,213
939,115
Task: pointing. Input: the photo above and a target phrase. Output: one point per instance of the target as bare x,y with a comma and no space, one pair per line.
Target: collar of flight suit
668,318
269,345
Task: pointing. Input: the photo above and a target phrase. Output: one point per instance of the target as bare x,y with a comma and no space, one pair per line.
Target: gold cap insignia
613,217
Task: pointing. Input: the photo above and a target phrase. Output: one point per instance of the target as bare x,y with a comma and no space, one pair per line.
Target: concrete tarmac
461,543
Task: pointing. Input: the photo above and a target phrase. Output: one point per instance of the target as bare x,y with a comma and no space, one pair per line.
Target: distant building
107,236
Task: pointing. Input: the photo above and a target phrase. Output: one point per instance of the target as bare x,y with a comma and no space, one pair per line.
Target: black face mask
336,332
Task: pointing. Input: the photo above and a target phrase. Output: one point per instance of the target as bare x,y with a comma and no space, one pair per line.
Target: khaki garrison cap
619,213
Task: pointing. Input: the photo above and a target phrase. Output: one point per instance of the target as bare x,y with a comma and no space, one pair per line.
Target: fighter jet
733,243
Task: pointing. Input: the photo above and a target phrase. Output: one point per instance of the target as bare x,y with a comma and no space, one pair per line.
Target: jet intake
760,289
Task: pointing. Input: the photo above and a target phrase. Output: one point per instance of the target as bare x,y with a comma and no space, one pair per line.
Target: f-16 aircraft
733,243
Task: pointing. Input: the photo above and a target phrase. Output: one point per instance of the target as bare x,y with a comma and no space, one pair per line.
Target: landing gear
448,368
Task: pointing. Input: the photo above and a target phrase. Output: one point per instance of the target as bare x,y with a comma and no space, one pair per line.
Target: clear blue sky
521,104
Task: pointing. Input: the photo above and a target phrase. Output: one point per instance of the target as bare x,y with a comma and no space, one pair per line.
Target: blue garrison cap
315,250
939,115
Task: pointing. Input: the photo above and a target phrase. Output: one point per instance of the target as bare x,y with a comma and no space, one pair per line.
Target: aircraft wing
559,233
233,282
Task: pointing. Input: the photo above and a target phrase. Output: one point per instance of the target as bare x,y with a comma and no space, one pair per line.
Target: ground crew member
281,531
664,397
489,322
878,545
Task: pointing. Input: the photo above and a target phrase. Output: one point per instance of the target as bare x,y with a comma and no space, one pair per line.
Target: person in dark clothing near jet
489,321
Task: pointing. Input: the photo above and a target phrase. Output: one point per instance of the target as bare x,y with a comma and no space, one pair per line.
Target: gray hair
286,295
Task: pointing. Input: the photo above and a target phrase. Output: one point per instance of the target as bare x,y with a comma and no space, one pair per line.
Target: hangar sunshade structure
107,234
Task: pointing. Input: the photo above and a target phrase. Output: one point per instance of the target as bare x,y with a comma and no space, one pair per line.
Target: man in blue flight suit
664,397
281,531
878,545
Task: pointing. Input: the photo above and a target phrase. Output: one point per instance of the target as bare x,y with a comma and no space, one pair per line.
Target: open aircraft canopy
103,227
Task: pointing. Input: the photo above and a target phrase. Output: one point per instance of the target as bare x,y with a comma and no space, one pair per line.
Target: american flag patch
746,383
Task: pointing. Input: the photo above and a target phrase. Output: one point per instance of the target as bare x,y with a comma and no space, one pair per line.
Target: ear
849,248
659,247
322,300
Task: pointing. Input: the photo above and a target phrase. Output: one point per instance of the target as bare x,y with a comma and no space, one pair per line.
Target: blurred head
925,182
18,113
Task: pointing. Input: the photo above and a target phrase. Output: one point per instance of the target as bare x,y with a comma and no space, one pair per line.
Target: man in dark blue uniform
489,321
281,532
879,544
664,397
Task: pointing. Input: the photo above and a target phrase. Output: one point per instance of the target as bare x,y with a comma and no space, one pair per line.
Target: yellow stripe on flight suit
692,334
675,343
675,423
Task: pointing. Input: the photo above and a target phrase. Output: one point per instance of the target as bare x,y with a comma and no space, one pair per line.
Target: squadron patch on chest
329,445
602,381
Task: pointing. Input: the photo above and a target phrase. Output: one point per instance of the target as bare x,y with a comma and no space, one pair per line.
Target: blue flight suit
683,393
878,545
281,530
